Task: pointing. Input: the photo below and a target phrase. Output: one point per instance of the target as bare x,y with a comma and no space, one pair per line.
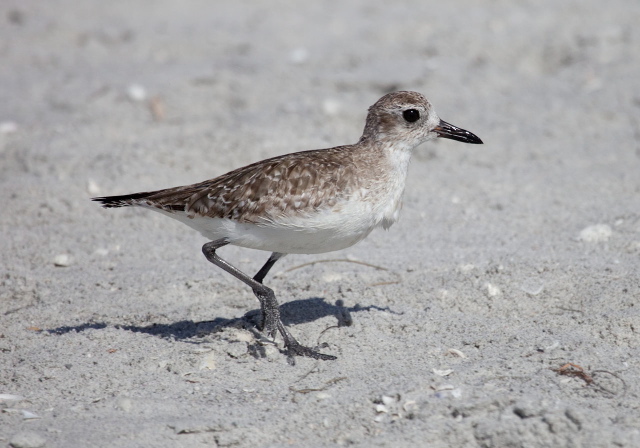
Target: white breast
393,187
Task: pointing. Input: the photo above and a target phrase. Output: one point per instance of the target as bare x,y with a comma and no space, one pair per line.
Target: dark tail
122,201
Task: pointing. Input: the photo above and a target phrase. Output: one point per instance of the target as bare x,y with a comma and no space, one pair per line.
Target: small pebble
331,277
380,408
136,92
208,362
492,290
387,400
93,188
456,393
299,55
410,406
62,260
443,372
8,127
598,233
125,404
331,107
532,287
27,439
101,251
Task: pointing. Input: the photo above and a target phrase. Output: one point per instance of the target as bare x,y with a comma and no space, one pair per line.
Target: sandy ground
510,259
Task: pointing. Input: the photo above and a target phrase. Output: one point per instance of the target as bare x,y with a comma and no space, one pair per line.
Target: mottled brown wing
294,183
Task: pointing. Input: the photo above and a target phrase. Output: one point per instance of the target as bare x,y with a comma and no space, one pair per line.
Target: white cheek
432,123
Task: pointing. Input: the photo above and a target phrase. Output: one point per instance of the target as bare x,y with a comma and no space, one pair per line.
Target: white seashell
11,397
456,352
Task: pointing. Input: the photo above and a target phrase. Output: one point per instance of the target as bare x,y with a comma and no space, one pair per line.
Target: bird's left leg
265,295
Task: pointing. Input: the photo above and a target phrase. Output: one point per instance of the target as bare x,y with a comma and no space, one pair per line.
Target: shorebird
305,202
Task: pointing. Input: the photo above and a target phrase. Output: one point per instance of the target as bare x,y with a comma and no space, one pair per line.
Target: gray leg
270,309
267,266
267,298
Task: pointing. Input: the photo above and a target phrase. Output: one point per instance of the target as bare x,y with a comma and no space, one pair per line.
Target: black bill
447,130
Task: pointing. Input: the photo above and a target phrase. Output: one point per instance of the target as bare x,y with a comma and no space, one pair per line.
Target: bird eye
411,115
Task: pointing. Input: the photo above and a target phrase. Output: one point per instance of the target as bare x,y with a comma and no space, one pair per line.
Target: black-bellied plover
306,202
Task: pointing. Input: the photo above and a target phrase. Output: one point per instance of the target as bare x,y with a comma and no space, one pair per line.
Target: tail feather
122,201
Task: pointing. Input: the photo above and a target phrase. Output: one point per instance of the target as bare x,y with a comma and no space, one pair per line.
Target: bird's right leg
269,308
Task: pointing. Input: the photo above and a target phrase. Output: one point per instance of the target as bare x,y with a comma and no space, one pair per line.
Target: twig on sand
570,369
318,389
332,260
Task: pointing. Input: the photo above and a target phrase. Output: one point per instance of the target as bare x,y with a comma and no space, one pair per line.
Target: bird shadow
291,313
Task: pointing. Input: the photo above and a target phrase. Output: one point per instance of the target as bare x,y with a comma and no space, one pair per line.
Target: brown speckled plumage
293,183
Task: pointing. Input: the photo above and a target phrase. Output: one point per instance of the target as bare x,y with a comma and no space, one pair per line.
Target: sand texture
452,329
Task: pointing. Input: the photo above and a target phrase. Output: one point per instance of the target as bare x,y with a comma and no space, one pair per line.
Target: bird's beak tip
447,130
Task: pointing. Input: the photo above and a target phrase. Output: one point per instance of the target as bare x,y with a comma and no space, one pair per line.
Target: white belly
324,231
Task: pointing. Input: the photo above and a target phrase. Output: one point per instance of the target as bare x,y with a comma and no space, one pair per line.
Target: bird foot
270,323
294,348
